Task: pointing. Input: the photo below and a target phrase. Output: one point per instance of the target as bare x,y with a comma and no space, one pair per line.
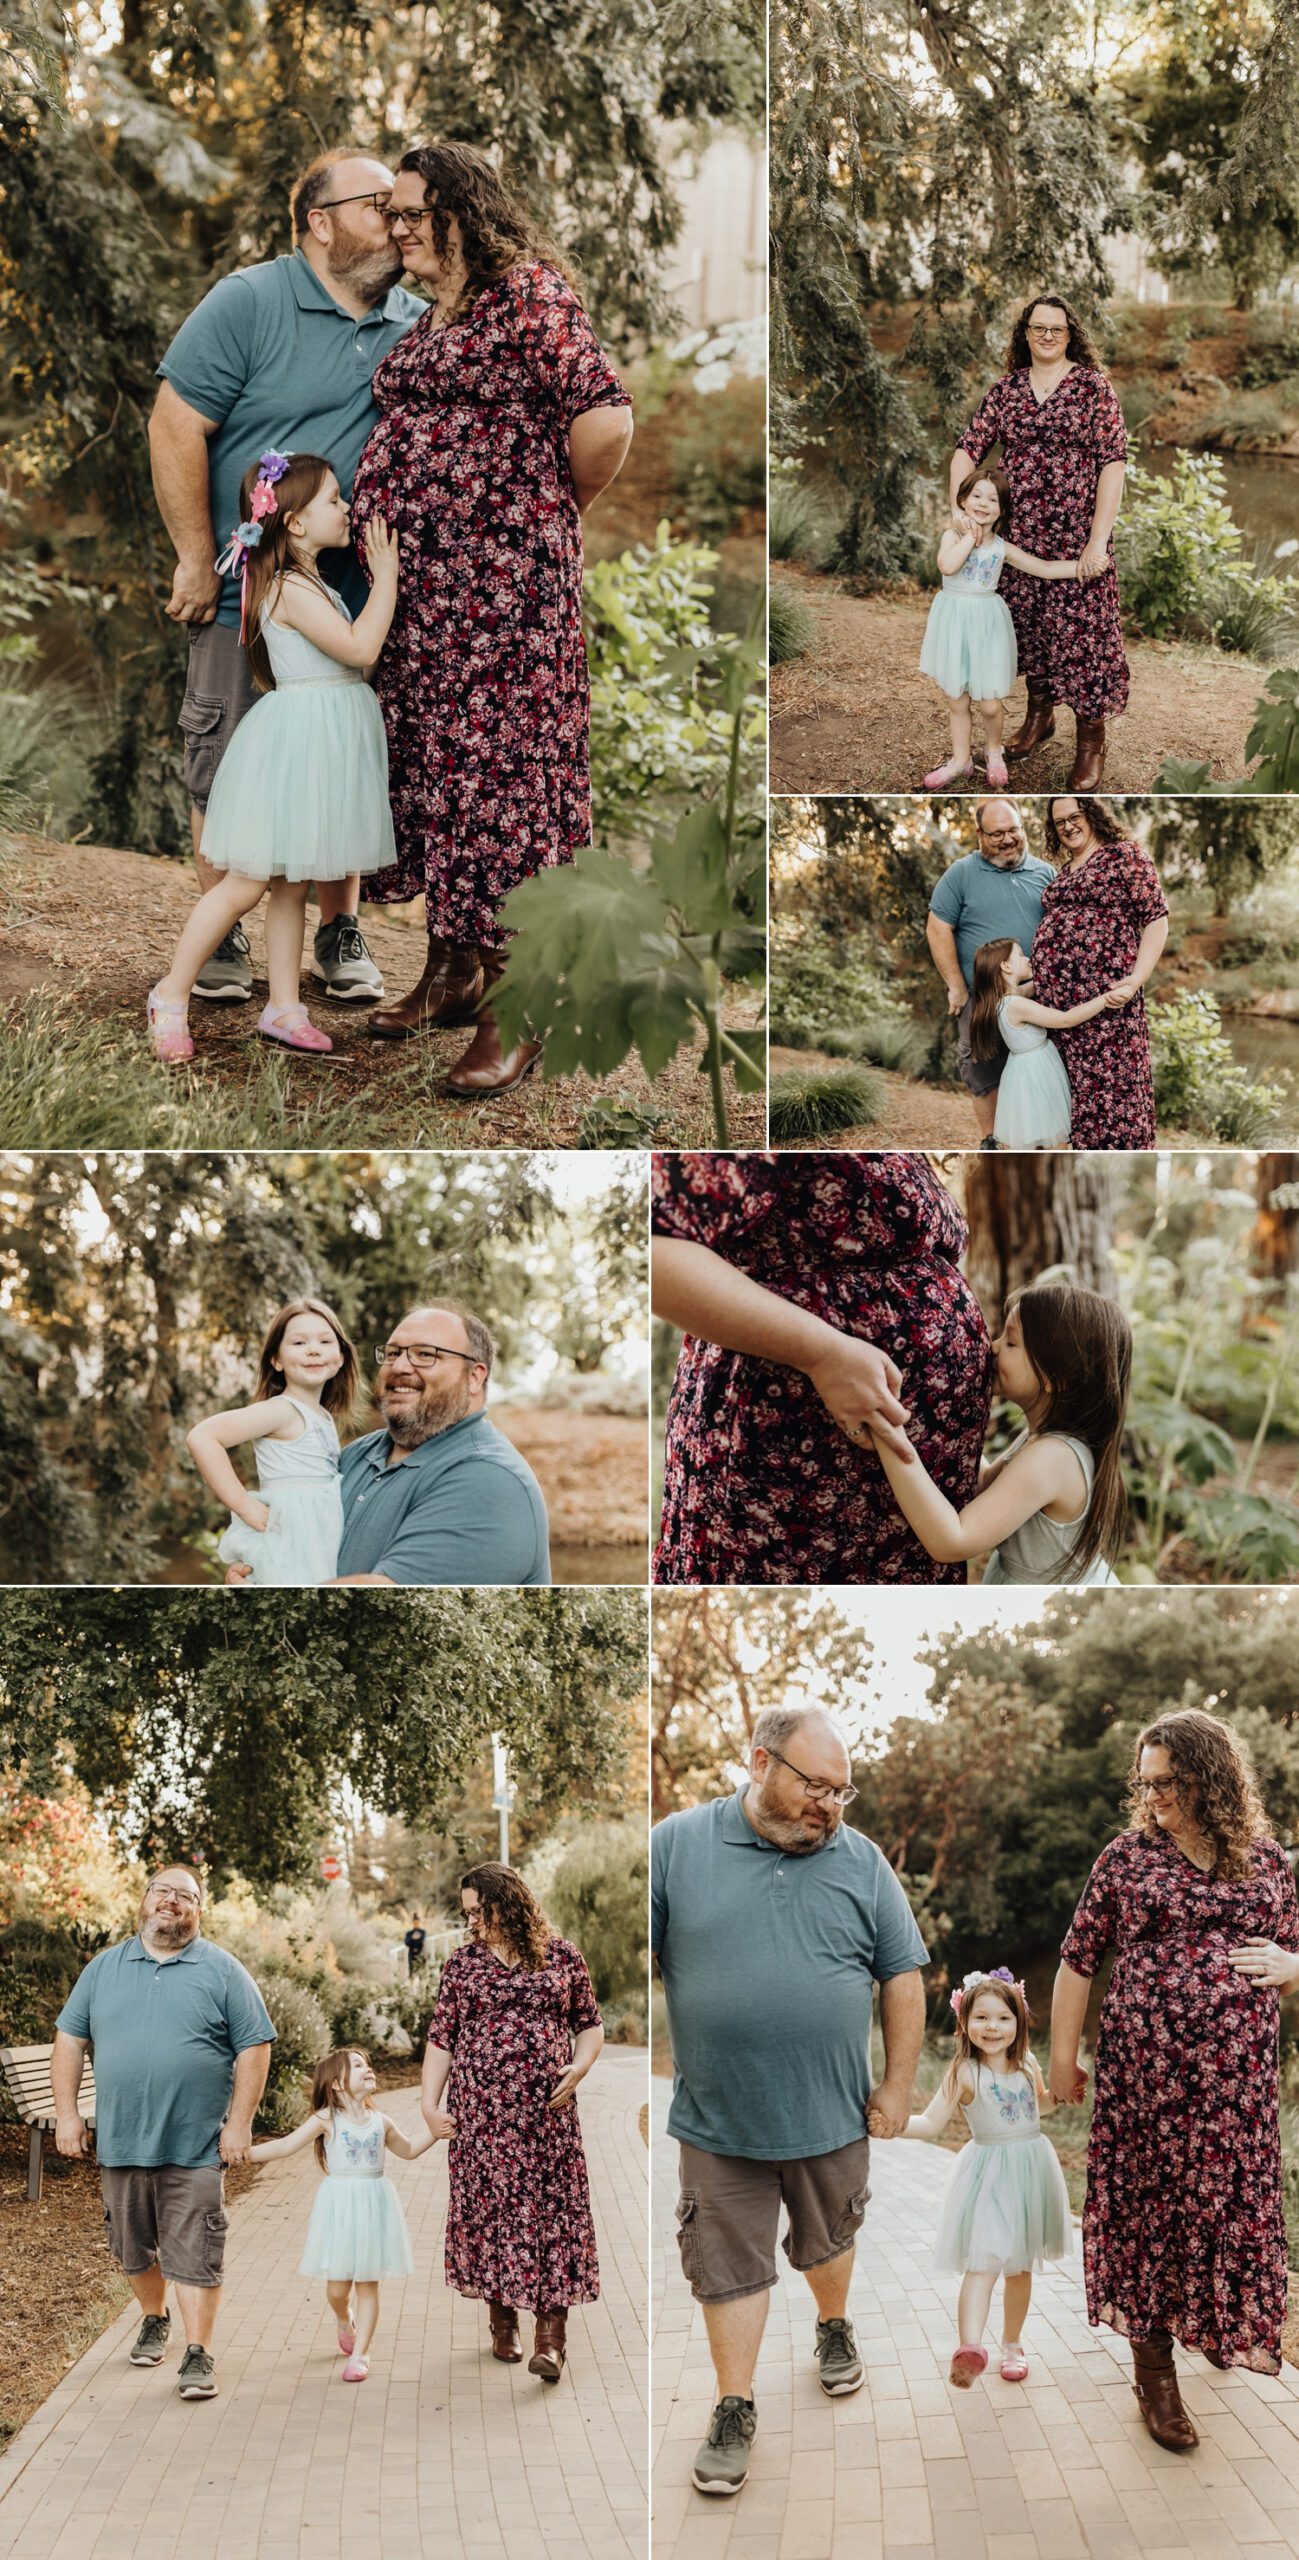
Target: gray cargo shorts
170,2218
728,2214
218,691
978,1075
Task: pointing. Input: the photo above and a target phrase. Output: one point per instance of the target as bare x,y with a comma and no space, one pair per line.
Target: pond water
1267,1048
1262,492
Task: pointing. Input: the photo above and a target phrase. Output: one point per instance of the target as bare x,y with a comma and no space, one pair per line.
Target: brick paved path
1059,2468
441,2455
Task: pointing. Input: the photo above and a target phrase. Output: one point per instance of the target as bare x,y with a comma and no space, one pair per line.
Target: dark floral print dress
519,2225
483,680
761,1484
1183,2227
1092,922
1070,636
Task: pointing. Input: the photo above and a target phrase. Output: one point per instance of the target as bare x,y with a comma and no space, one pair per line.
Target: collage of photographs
649,1280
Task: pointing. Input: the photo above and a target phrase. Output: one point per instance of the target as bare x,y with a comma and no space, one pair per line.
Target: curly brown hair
1214,1775
1104,825
496,230
512,1912
1079,347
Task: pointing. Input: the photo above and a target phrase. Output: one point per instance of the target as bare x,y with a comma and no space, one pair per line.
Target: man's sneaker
340,959
722,2462
197,2375
151,2345
227,978
836,2353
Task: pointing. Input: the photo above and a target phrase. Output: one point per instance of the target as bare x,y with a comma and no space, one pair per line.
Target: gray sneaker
339,958
197,2375
227,978
722,2462
836,2353
151,2345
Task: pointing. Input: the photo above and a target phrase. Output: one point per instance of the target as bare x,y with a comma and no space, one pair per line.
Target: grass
1264,416
816,1102
791,628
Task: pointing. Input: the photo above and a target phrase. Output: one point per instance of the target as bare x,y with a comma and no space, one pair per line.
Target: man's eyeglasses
379,200
410,216
819,1789
172,1893
421,1355
1000,835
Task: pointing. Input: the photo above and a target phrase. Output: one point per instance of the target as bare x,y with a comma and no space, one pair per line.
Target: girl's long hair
269,559
1014,2000
986,995
513,1912
1213,1769
1079,348
1002,486
338,1395
496,230
1079,1346
1104,826
327,2088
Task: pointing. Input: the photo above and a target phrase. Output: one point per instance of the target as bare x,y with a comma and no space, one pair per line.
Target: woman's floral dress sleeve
985,426
1094,1928
583,2007
1143,886
447,2017
713,1199
564,354
1109,433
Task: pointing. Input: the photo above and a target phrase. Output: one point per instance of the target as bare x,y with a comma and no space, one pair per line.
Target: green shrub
1198,1084
629,2025
719,461
794,521
1250,611
1172,538
791,626
901,1047
597,1896
1271,350
657,743
302,2038
49,731
816,1103
1254,417
38,1968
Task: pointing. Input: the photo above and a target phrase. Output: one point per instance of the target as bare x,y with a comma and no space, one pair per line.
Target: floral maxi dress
1092,922
1069,636
1183,2227
483,679
519,2225
761,1484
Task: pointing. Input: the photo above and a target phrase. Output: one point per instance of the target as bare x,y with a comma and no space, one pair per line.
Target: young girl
288,1531
1053,1507
1034,1109
969,643
357,2233
1007,2207
301,793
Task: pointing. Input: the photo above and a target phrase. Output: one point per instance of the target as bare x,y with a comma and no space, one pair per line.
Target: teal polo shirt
463,1507
769,1962
278,363
981,903
165,2037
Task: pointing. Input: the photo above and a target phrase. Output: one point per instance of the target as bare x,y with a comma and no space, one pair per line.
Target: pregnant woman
1064,449
1104,924
1183,2230
821,1299
502,421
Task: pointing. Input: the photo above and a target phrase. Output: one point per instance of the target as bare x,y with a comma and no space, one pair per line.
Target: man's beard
798,1838
166,1933
416,1423
355,262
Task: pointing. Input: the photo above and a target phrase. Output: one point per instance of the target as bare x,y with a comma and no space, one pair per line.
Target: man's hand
889,2109
195,591
71,2138
1067,2082
235,2143
957,999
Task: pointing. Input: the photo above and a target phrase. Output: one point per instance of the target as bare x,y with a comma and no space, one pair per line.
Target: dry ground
594,1471
912,1114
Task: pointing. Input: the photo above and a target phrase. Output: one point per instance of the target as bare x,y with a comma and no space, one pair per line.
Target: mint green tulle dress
969,643
299,1482
301,792
357,2227
1007,2206
1034,1106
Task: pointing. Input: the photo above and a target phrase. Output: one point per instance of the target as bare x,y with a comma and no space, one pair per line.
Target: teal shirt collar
378,1446
311,295
137,1953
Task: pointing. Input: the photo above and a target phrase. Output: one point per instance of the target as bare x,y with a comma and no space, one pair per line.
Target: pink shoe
291,1027
346,2341
967,2365
944,775
996,768
357,2369
1014,2365
167,1018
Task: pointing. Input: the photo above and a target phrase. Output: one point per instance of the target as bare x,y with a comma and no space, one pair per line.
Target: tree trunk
1274,1236
1029,1214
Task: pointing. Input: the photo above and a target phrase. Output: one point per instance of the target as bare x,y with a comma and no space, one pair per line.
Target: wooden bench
27,2077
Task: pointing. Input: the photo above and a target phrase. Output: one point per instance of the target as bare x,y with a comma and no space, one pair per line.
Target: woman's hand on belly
858,1385
1262,1961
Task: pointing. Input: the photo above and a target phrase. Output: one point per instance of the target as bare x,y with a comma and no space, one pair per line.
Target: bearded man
279,356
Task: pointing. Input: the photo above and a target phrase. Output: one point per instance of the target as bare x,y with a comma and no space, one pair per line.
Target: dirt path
89,927
919,1115
855,713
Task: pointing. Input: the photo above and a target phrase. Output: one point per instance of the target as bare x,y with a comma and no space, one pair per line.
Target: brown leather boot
485,1067
449,991
1039,723
549,2344
1158,2397
1088,755
507,2346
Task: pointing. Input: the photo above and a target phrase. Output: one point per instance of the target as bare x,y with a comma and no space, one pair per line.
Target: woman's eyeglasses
1160,1787
405,217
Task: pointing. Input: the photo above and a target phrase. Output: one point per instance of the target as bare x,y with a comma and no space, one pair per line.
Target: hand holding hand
1261,1960
1067,2082
195,591
1094,560
236,2142
961,523
565,2087
71,2138
440,2125
1122,992
381,551
889,2109
859,1386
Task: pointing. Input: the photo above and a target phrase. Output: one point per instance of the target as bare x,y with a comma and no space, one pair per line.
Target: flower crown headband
245,538
986,1973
